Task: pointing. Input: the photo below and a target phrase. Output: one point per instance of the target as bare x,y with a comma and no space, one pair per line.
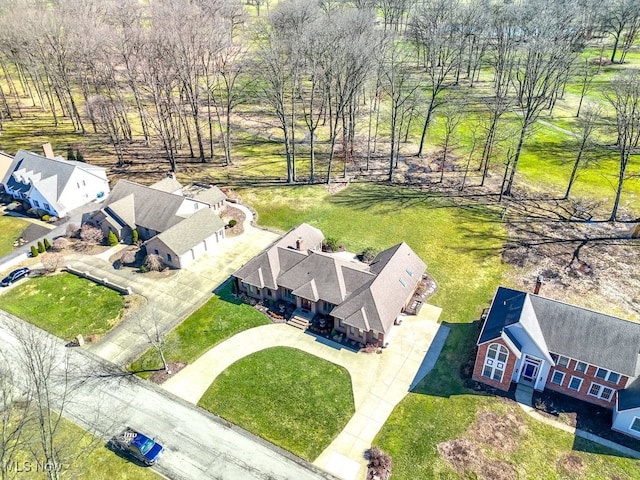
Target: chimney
48,151
536,290
299,243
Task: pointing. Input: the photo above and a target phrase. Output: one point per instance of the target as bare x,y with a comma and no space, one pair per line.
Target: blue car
138,445
14,276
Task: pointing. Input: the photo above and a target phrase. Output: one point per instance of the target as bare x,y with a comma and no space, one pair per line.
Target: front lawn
65,305
500,441
10,230
288,397
220,318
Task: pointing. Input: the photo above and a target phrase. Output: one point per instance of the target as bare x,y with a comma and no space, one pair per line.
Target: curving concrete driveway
379,382
169,299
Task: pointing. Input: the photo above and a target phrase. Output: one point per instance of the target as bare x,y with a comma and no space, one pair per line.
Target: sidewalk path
379,382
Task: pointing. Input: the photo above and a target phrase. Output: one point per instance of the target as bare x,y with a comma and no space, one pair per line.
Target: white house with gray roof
53,185
179,228
363,301
552,345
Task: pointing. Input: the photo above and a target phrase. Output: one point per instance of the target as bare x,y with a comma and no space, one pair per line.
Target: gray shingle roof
50,175
191,231
368,297
154,209
576,332
167,184
211,195
629,397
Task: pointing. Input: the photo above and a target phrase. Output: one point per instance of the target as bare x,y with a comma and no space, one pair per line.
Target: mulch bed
582,415
162,376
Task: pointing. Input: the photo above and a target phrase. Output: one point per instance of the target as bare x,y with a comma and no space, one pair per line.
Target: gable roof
629,397
191,231
592,337
376,304
211,195
48,175
153,209
167,184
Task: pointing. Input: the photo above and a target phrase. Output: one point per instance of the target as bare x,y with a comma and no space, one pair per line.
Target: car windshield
146,446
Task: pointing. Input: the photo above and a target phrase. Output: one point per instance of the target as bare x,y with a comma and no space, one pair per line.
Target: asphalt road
104,400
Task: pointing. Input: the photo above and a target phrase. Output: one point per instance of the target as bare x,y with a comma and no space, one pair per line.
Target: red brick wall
508,373
587,378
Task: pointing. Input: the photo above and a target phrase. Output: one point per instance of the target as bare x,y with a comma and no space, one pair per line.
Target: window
195,206
600,391
495,362
575,383
169,257
374,335
402,282
269,292
409,271
360,333
47,207
635,425
157,252
557,377
340,323
78,184
352,330
35,202
84,184
608,375
581,367
563,361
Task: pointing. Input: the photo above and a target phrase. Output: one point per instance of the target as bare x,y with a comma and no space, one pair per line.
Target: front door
530,370
304,303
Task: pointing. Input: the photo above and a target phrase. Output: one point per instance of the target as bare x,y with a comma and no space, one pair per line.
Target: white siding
622,421
82,188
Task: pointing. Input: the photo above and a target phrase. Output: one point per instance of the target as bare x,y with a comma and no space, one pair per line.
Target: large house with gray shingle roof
176,227
52,185
362,300
547,344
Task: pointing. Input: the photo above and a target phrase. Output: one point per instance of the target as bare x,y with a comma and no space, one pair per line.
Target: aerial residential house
362,301
176,227
51,184
547,344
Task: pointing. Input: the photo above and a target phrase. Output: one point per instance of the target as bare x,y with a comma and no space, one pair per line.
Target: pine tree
34,251
41,247
47,244
134,237
113,240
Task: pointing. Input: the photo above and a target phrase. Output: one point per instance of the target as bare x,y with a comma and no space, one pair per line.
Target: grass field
288,397
11,229
64,305
220,318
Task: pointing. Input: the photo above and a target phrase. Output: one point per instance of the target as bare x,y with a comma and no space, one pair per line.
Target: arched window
495,362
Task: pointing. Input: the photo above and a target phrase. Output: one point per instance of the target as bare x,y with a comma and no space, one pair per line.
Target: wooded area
345,83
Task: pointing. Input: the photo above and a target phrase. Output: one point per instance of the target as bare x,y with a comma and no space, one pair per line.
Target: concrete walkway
525,402
379,382
172,298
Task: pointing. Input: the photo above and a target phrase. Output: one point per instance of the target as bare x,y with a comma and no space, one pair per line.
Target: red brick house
362,301
548,344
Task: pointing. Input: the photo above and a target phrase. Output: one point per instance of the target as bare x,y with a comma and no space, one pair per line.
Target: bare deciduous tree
91,234
154,262
52,261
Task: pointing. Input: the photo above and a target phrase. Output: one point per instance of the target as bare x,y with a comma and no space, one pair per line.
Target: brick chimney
536,289
299,243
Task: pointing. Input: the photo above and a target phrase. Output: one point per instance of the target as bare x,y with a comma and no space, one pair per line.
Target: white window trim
608,375
560,365
494,364
631,424
579,385
575,367
561,380
602,388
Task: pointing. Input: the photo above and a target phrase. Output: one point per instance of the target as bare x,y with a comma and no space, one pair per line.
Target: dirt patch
162,376
500,432
572,464
336,187
592,264
465,456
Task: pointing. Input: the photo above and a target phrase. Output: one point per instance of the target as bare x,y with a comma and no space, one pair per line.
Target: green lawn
422,421
288,397
220,318
65,305
11,229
